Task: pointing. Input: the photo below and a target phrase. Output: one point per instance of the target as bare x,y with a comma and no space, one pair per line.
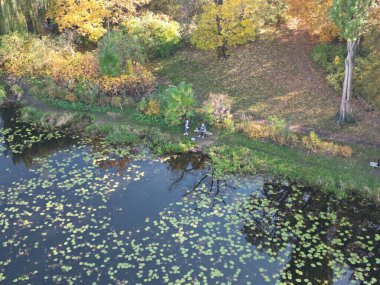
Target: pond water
74,212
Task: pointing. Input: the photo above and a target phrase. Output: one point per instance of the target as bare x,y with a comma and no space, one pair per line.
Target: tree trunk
345,112
222,47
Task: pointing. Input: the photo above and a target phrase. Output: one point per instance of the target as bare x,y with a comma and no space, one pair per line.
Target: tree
86,16
90,17
117,52
177,102
22,15
315,15
227,23
159,35
350,16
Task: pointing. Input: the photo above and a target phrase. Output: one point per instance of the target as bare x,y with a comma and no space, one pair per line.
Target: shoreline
339,175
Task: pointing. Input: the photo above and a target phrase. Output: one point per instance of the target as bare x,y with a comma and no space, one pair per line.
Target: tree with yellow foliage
227,23
90,17
86,16
315,15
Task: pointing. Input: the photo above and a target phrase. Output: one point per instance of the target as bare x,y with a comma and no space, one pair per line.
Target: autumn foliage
230,23
86,16
42,58
90,17
315,15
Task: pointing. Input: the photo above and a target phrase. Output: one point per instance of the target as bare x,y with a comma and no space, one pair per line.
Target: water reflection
39,149
187,161
318,230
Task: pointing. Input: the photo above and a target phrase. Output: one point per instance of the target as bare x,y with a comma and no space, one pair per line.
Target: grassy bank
336,174
235,152
120,128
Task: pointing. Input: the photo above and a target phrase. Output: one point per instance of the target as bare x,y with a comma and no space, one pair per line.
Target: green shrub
149,106
117,50
170,106
275,12
329,56
103,129
17,90
279,129
159,35
320,55
148,119
86,92
154,137
166,147
121,135
367,78
227,160
31,115
335,79
176,102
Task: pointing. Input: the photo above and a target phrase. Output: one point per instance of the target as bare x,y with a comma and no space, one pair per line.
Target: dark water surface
74,212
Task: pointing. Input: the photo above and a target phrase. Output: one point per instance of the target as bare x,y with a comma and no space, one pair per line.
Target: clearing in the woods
274,76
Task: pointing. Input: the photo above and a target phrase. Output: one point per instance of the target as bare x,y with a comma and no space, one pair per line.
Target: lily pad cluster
23,137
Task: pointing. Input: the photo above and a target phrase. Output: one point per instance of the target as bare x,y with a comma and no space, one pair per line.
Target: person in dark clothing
202,131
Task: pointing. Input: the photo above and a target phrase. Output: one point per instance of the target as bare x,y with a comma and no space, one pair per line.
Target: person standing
187,127
202,131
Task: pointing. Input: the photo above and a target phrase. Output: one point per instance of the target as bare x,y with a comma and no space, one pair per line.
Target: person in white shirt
187,127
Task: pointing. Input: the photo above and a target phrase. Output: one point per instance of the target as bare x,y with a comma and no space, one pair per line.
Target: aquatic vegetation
17,140
91,212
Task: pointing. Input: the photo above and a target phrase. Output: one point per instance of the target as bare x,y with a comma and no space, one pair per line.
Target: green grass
335,174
